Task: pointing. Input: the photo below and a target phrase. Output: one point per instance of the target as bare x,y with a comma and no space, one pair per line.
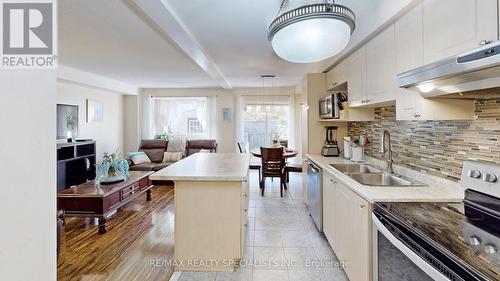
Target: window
181,116
194,126
263,123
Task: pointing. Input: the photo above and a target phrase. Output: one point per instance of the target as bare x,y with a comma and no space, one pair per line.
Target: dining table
287,153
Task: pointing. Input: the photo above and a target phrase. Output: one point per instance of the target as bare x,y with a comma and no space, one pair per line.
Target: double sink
372,176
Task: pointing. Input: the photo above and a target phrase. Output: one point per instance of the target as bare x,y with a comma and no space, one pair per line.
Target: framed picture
95,111
67,121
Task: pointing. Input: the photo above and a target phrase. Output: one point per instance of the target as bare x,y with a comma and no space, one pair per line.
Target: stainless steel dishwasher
315,194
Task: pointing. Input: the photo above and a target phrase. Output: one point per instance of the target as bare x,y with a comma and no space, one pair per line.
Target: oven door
394,261
325,108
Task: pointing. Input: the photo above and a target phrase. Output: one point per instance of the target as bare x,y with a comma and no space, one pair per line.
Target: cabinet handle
245,210
417,115
245,225
362,206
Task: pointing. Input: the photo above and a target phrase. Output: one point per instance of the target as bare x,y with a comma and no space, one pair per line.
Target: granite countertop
207,167
437,189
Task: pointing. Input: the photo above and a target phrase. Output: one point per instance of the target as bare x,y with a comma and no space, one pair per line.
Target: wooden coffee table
102,200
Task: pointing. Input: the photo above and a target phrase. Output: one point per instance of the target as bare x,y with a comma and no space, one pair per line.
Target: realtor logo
28,34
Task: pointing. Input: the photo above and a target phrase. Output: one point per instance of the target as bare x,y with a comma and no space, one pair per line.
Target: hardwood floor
140,233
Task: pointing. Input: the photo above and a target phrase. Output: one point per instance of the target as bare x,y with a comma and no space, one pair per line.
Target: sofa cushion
138,157
194,146
172,156
149,166
151,144
155,154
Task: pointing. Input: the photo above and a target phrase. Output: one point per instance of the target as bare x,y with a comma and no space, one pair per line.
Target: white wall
109,134
224,130
28,175
130,123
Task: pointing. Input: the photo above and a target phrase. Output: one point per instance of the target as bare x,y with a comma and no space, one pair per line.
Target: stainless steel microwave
329,108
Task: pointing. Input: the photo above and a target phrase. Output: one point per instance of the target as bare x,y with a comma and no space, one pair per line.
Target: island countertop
207,167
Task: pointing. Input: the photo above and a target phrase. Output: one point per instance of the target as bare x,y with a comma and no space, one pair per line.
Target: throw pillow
172,156
138,157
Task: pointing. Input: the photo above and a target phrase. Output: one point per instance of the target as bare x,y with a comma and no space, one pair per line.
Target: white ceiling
105,37
108,38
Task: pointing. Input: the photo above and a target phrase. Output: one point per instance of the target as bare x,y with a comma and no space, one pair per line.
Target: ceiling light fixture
311,33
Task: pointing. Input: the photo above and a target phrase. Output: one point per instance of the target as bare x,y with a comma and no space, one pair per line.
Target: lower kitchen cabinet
351,231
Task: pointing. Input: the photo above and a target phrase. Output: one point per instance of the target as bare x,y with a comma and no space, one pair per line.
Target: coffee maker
331,147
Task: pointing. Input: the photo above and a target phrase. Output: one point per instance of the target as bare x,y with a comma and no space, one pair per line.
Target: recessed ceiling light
426,88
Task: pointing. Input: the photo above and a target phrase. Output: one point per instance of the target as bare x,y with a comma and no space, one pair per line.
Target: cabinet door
340,74
381,79
353,233
356,83
408,104
455,26
409,41
328,207
343,226
337,76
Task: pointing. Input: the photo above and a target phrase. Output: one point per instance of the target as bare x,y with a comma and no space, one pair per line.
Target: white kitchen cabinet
411,105
328,207
381,78
337,76
353,232
408,32
356,75
451,27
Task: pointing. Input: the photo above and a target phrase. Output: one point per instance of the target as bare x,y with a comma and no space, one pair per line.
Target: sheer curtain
147,117
239,119
183,116
291,122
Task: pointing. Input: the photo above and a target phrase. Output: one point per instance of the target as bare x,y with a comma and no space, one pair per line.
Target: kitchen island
211,206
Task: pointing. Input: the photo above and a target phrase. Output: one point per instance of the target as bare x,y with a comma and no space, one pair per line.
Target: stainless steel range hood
474,70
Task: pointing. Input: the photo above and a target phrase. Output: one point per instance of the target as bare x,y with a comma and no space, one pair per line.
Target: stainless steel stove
442,241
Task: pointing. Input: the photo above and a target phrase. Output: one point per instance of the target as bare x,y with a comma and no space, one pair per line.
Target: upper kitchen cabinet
337,76
381,78
451,27
410,105
356,78
409,45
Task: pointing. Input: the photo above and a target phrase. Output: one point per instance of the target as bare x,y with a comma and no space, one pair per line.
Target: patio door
264,122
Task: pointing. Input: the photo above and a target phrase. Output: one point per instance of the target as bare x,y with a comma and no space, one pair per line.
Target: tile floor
282,240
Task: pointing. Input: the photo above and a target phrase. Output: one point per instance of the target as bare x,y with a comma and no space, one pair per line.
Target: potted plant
163,136
112,168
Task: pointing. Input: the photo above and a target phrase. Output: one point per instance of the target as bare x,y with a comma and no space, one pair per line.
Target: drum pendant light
311,33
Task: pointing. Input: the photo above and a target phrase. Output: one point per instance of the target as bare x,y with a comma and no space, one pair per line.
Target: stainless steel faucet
384,147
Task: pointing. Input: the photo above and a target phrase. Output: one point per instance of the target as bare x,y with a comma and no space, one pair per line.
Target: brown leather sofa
194,146
154,149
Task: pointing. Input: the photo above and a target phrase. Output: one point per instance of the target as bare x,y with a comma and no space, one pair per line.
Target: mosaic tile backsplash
436,147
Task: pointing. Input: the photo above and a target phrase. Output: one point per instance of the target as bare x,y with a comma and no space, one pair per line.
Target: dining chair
272,166
291,167
254,163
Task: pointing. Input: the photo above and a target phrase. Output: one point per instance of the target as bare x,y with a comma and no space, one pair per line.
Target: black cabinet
75,163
